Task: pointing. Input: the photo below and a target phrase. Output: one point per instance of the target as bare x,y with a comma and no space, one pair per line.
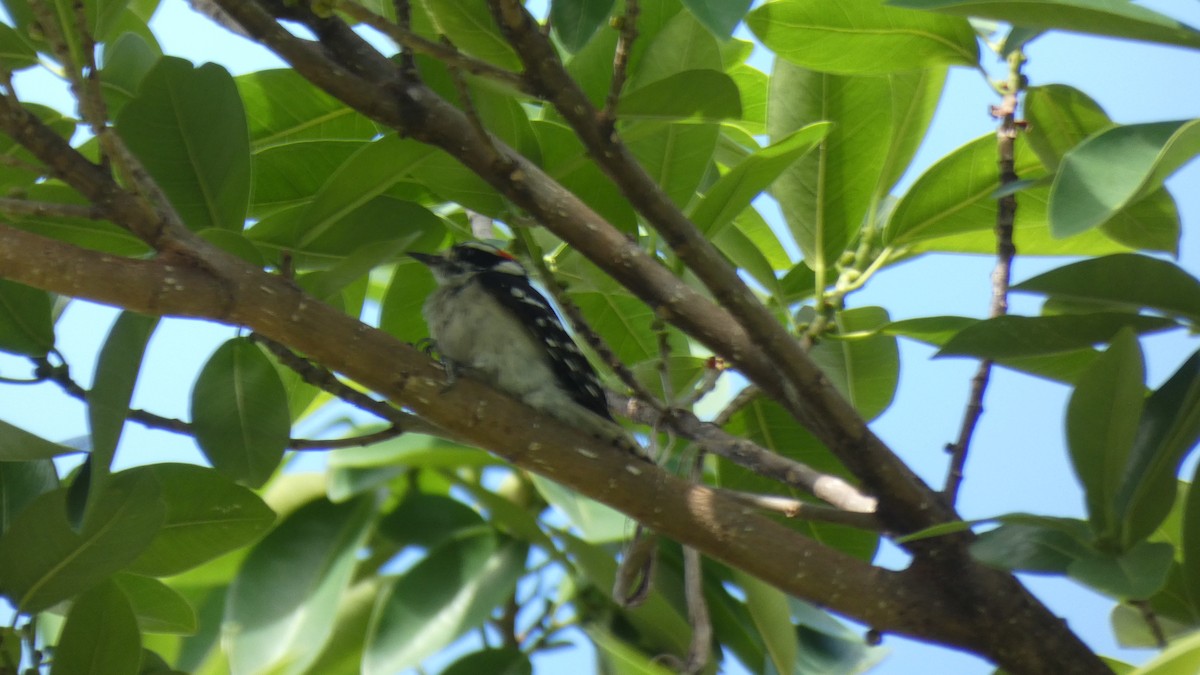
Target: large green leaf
289,173
957,194
701,94
828,196
126,62
858,37
240,412
1131,280
1115,18
1009,336
100,636
505,661
450,591
207,515
865,366
1114,169
281,607
44,561
1060,117
26,325
681,45
1181,658
1169,430
188,128
734,191
427,520
282,107
677,155
108,400
16,53
566,160
1102,420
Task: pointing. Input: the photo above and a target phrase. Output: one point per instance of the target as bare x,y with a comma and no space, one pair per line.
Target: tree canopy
629,154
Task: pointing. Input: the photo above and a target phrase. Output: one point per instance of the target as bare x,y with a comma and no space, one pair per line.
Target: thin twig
404,24
60,375
1006,211
403,36
1152,622
828,488
744,398
468,106
713,369
608,116
700,646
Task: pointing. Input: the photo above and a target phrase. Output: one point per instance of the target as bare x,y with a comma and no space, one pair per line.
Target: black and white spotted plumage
487,316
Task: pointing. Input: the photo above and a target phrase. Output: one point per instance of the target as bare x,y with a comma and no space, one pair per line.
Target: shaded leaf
207,515
20,483
117,369
282,107
1131,280
188,127
703,94
453,589
44,561
1114,168
474,32
1009,336
18,445
506,661
1102,420
281,607
576,21
864,368
719,16
26,326
100,636
158,607
240,412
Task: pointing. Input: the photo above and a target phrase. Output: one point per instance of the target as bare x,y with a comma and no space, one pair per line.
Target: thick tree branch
692,514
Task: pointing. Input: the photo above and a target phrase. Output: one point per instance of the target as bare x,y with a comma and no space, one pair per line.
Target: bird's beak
425,258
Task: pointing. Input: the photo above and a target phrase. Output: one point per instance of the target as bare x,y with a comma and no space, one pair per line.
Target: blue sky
1018,462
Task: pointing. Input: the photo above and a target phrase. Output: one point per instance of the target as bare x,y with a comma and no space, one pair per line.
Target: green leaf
618,656
413,450
281,607
1189,547
428,520
702,94
719,16
1034,544
282,108
1121,19
505,661
768,608
158,607
207,515
108,400
1114,168
367,174
450,591
1009,336
565,160
1135,574
1170,428
1060,117
18,445
1102,420
682,44
827,197
734,191
864,368
188,128
677,155
100,636
861,37
290,173
240,412
576,21
15,51
957,194
469,23
20,484
26,325
43,561
126,63
1130,280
